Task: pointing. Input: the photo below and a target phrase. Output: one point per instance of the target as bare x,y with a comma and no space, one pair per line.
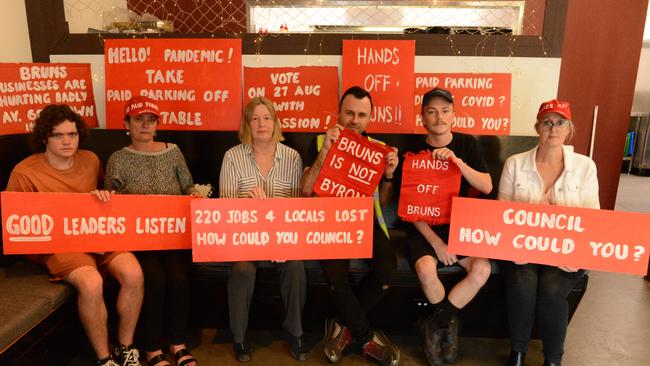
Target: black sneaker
299,349
127,355
381,350
431,334
449,341
242,351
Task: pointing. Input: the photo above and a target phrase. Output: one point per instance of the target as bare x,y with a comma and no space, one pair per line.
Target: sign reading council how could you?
305,97
226,230
36,223
582,238
196,82
26,88
481,101
386,70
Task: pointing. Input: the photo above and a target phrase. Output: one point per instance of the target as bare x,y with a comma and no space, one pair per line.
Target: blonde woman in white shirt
553,174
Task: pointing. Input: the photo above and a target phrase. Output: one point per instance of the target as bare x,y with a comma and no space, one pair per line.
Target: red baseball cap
139,105
555,106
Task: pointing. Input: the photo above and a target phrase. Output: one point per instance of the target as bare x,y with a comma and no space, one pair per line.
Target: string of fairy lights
217,18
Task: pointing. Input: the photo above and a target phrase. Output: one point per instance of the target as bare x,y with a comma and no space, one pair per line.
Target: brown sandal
183,352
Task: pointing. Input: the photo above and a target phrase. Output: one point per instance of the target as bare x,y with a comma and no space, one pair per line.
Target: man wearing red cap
62,167
550,174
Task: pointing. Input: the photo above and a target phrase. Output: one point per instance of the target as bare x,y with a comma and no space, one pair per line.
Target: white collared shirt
577,185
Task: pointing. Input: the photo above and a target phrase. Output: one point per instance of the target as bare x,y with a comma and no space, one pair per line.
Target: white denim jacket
577,186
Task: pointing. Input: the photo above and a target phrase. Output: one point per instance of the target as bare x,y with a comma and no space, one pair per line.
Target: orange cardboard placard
353,167
305,97
386,70
583,238
226,230
428,185
26,88
196,82
36,223
481,101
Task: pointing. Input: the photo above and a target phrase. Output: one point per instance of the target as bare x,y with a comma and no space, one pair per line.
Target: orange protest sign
226,230
196,82
26,88
481,101
554,235
428,185
305,97
353,167
35,223
385,69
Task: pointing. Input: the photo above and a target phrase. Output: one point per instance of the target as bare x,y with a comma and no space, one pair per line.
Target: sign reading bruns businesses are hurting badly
583,238
353,167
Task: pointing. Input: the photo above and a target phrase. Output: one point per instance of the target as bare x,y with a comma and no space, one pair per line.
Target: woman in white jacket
552,174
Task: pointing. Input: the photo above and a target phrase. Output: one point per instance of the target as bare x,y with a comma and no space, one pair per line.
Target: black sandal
182,353
155,360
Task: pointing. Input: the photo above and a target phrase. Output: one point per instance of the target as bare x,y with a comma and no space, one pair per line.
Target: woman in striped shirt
262,167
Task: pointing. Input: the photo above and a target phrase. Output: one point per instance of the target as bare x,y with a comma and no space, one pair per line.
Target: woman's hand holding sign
257,193
102,194
391,163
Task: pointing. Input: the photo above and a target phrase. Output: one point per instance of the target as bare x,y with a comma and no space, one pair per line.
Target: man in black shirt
427,245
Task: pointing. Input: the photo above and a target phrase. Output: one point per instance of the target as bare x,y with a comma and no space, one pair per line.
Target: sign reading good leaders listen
353,167
481,101
428,186
196,82
26,88
36,223
386,70
582,238
225,230
305,97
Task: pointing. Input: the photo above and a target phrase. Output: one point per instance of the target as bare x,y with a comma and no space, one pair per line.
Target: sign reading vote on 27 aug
26,88
196,82
583,238
481,101
281,229
36,222
305,97
386,70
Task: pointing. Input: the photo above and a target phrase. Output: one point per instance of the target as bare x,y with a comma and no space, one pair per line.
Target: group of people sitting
154,285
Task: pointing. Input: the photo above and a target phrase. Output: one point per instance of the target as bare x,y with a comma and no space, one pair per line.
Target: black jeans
536,291
353,309
166,297
241,285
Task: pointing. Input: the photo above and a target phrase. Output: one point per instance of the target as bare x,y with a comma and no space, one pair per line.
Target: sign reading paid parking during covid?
385,69
196,82
353,167
582,238
428,185
305,97
225,230
481,101
26,88
36,223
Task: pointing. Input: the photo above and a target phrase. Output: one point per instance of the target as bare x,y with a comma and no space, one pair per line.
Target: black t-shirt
465,147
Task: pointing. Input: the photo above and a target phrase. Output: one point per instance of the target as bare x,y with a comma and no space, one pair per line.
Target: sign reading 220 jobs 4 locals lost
36,223
583,238
226,230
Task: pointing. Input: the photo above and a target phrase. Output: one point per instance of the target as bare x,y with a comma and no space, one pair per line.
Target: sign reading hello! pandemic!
386,70
481,101
583,238
35,223
26,88
353,167
428,186
196,82
305,97
281,229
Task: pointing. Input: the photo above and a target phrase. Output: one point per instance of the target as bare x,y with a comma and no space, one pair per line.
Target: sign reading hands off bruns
225,230
582,238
